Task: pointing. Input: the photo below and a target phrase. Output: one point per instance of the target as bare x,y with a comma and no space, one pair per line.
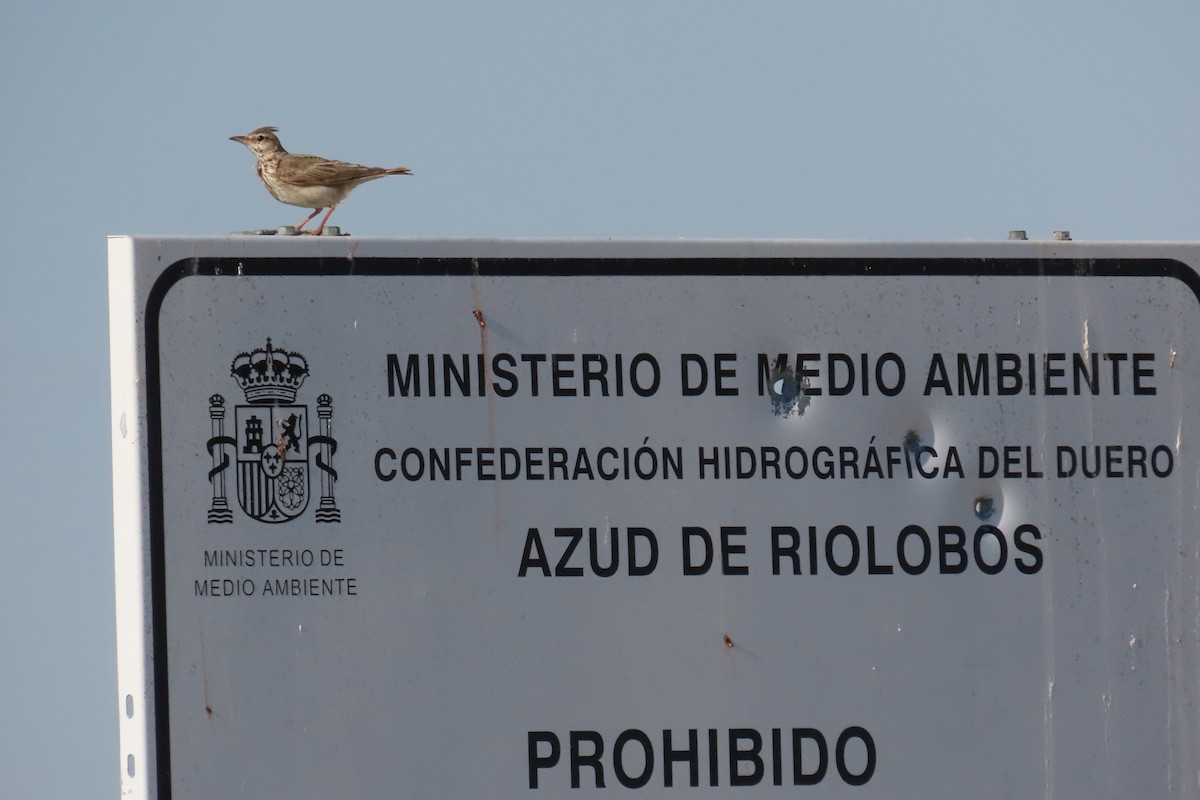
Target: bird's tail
398,171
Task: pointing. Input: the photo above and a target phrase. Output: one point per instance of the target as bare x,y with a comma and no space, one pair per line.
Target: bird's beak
238,139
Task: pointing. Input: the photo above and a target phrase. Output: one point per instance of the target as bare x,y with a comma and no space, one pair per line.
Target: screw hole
788,395
985,508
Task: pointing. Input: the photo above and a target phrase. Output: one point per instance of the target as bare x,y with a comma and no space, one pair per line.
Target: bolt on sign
511,519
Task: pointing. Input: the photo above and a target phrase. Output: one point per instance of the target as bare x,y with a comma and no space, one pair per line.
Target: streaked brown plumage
307,181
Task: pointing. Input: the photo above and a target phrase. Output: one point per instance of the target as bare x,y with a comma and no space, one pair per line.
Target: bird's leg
306,219
321,227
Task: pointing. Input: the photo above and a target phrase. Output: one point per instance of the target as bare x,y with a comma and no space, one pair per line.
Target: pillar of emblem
327,511
219,511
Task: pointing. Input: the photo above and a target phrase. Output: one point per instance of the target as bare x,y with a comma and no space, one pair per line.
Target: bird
307,181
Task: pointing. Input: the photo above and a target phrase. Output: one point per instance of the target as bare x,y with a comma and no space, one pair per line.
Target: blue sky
850,120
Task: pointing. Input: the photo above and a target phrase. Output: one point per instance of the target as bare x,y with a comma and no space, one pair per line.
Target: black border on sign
550,266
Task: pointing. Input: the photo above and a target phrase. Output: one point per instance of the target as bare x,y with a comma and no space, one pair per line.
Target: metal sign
520,519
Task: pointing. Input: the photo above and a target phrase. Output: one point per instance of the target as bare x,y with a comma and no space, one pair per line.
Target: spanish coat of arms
271,442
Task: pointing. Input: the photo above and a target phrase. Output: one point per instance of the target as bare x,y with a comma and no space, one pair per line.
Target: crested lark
307,181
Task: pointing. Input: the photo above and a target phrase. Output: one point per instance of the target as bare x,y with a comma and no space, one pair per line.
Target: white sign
513,519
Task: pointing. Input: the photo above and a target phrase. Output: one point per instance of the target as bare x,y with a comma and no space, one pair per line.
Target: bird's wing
315,171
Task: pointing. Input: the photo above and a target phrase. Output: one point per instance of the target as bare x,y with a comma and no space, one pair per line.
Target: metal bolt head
1018,234
331,230
1062,236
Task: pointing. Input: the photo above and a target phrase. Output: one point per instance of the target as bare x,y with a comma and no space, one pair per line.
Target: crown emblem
270,376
